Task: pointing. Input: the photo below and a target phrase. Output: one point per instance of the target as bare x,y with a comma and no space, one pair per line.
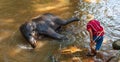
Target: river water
14,48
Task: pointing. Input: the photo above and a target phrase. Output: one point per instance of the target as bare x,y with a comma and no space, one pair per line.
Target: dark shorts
98,40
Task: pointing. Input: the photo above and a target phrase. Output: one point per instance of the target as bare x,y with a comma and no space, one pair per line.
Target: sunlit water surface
14,48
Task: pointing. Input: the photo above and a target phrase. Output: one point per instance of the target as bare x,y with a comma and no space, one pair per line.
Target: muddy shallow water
14,48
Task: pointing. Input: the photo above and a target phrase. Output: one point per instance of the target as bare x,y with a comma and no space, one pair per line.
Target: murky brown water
13,47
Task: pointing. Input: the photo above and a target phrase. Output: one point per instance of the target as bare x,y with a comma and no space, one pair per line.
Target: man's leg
99,43
93,51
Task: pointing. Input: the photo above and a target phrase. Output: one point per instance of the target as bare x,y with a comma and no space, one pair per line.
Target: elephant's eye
30,34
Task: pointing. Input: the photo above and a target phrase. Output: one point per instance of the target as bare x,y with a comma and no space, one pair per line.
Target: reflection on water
92,1
14,48
50,6
107,12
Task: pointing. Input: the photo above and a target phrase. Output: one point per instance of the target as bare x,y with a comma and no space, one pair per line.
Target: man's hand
92,43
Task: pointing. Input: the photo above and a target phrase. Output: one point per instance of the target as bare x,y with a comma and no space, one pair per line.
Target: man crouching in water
96,33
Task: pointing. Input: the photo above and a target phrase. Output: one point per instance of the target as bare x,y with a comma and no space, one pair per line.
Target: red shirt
96,28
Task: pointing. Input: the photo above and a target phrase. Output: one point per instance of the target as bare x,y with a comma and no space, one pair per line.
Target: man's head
89,17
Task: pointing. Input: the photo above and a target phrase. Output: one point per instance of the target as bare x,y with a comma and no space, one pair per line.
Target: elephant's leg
50,32
64,22
28,33
59,29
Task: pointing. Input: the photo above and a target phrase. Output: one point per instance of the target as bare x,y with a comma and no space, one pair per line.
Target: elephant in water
46,24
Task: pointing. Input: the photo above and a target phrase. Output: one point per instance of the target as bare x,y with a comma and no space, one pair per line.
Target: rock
70,50
116,45
76,59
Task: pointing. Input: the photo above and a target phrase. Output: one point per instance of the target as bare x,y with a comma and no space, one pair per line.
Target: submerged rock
70,50
116,45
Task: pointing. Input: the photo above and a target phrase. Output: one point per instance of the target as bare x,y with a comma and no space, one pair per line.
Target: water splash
24,47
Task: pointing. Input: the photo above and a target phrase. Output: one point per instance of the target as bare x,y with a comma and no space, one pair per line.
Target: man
96,33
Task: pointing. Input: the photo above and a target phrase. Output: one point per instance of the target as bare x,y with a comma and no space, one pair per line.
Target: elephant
46,24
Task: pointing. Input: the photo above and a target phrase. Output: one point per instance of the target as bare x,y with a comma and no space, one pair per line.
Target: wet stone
116,45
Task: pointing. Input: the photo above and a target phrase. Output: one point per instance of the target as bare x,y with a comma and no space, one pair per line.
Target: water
107,13
14,48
